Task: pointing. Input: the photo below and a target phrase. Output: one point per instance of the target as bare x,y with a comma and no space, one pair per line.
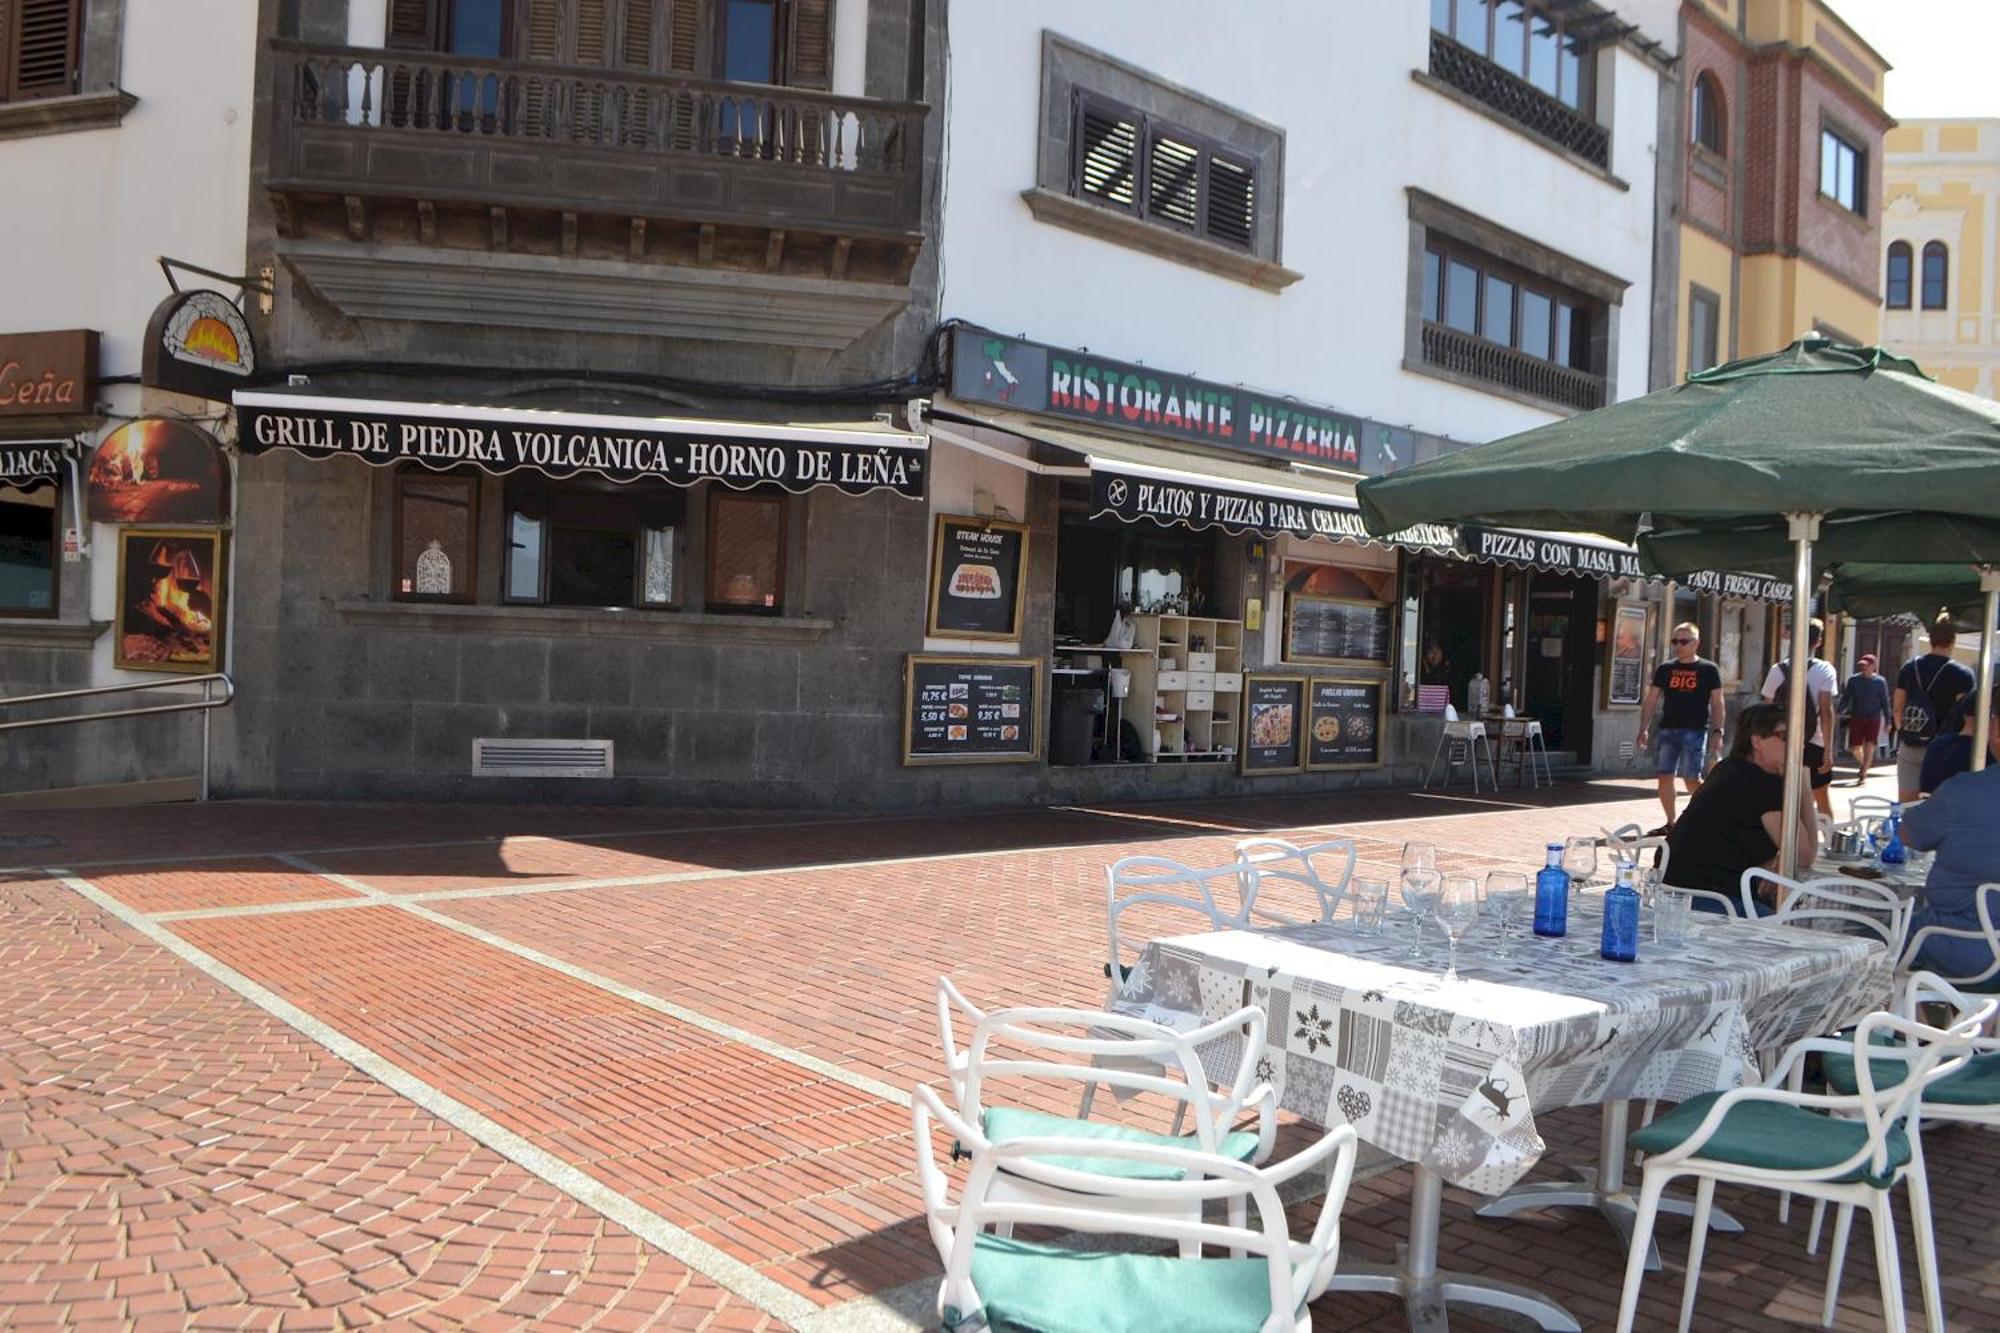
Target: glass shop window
585,544
436,537
746,551
28,545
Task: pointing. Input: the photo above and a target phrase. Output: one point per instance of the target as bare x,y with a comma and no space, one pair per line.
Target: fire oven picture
157,471
1270,724
169,600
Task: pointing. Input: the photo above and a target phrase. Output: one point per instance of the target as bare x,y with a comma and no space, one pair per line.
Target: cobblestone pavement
318,1066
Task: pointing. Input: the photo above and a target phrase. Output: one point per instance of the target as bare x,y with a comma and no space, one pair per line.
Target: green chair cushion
1030,1288
1003,1124
1772,1136
1976,1084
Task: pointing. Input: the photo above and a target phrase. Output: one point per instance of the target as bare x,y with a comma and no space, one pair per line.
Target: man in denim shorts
1688,693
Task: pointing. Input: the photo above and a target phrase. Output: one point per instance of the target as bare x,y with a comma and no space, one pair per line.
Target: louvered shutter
540,40
1231,205
1173,181
1107,152
38,39
683,56
809,44
413,25
634,106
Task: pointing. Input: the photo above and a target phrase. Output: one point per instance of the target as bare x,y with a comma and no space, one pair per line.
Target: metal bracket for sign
241,281
76,503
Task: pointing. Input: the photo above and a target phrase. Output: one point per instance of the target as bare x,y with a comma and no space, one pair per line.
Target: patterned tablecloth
1453,1075
1907,878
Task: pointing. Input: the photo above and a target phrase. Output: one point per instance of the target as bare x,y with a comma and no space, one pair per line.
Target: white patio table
1452,1076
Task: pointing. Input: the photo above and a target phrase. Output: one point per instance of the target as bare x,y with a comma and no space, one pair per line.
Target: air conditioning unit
509,757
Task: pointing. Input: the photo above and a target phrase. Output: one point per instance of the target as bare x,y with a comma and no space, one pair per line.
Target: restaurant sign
48,374
1183,502
27,462
566,444
1081,386
1546,551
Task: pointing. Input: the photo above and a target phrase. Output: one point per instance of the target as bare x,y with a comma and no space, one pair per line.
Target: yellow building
1941,281
1781,193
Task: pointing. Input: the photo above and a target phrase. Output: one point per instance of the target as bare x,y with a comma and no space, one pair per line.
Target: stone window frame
1070,71
98,102
1430,215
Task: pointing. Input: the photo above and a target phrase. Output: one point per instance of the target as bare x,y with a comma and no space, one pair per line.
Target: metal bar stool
1522,744
1472,735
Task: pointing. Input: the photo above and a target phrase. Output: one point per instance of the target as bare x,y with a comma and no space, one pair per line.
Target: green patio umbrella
1969,593
1743,466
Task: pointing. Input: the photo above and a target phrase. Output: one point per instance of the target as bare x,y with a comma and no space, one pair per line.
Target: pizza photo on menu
976,582
1270,724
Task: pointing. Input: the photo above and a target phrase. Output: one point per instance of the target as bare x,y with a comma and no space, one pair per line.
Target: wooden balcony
1477,360
507,157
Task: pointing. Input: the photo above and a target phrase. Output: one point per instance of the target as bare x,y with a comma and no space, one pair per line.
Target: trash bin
1074,721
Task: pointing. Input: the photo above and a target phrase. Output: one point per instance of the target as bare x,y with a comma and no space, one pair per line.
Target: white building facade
1421,227
124,138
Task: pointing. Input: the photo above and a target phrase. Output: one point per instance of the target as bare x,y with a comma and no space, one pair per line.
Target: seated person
1951,753
1735,822
1958,822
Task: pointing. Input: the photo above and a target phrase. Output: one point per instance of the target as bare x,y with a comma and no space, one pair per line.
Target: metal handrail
204,705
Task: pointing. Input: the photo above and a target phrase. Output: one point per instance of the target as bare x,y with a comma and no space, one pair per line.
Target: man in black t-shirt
1688,693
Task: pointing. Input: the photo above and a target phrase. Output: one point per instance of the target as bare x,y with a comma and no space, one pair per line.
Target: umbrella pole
1804,531
1989,583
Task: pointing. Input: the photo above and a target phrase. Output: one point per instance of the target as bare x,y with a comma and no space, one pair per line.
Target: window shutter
544,36
1232,202
42,58
413,25
684,36
809,44
1107,152
635,43
1173,181
591,45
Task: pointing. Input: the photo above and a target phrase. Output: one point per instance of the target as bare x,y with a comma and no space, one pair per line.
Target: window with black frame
1937,271
592,544
1532,61
1897,280
29,542
1161,172
1493,321
1843,171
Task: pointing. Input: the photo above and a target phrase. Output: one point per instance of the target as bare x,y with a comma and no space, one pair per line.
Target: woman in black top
1736,821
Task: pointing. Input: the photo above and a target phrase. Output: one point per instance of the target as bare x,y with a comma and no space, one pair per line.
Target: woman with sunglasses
1736,821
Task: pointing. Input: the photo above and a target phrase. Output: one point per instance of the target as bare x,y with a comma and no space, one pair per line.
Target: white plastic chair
1728,1137
1969,1095
1633,841
1138,881
1868,807
1835,903
1986,981
996,1281
1043,1049
1274,858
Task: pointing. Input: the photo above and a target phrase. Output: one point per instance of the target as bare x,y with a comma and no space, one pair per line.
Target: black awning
683,451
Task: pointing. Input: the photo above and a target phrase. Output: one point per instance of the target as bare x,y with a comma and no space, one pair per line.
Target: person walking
1864,701
1821,685
1926,692
1688,693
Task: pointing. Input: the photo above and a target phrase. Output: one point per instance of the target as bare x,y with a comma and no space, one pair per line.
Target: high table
1451,1076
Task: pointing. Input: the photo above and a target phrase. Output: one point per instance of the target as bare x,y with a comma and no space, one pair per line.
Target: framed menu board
1344,723
971,710
1625,671
1338,631
976,578
1273,723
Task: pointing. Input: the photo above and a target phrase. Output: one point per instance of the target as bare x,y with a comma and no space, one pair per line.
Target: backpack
1919,723
1782,698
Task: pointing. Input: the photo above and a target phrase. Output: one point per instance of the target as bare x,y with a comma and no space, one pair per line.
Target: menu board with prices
971,710
976,578
1273,722
1337,630
1344,724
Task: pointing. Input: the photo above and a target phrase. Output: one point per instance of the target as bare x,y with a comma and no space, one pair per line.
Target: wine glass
1456,908
1507,896
1420,856
1420,892
1580,860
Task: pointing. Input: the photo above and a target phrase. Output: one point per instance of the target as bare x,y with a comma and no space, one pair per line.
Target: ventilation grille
497,757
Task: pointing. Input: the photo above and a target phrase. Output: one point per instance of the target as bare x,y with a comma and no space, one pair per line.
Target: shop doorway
1561,654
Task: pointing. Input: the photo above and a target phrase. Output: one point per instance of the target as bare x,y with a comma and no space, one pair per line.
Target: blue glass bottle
1893,852
1620,941
1552,896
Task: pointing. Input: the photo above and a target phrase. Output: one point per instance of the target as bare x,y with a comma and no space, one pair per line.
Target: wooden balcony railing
368,122
1519,101
1475,357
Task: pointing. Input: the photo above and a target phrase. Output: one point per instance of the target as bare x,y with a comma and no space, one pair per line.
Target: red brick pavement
829,944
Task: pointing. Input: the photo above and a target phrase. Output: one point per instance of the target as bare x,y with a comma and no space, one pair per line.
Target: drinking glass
1507,898
1456,908
1647,881
1420,891
1371,900
1580,860
1672,917
1420,856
